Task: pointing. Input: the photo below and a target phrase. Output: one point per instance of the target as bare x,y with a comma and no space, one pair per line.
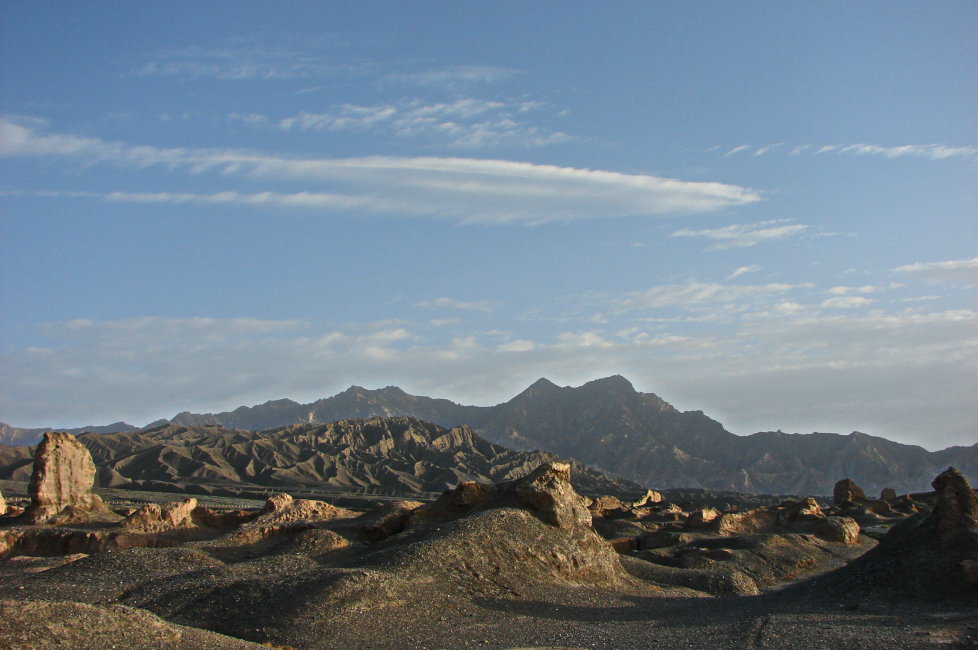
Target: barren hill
398,454
609,425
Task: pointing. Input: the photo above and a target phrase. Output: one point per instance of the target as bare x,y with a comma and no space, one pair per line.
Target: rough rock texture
49,624
547,492
3,505
888,494
847,492
286,525
957,507
155,517
388,520
650,497
843,530
606,506
63,477
926,557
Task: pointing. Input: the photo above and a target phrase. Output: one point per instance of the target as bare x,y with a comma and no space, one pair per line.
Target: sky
762,210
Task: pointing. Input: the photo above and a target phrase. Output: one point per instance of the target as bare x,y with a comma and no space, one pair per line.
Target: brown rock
467,497
389,520
957,507
880,507
650,497
547,492
156,518
606,507
63,476
846,492
741,523
701,516
282,509
888,494
3,505
843,530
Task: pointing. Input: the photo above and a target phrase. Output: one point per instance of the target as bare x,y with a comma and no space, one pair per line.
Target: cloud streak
956,271
928,151
745,235
241,64
463,123
468,190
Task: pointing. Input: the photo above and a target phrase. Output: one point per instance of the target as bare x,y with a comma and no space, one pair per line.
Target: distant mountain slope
403,454
607,424
16,436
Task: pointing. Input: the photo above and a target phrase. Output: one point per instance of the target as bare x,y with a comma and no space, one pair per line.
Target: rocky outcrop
649,498
374,456
956,510
888,494
156,518
846,492
3,505
925,557
842,530
62,479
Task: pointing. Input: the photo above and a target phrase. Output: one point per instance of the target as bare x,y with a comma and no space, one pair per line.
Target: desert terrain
525,561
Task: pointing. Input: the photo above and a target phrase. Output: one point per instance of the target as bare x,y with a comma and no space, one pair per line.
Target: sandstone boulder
547,492
650,497
466,497
606,506
957,507
804,510
842,530
3,505
156,518
701,516
389,520
846,492
63,477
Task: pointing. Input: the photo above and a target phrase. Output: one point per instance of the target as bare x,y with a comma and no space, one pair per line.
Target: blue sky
765,211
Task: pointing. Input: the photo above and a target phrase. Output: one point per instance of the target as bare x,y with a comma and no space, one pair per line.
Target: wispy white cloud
745,235
928,151
465,122
465,189
454,76
694,293
768,148
241,63
957,271
736,150
452,303
847,291
740,270
846,302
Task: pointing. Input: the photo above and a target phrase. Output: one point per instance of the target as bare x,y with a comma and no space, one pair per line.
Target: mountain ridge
607,424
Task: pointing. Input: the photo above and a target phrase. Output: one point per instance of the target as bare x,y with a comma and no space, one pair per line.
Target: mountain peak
615,383
543,384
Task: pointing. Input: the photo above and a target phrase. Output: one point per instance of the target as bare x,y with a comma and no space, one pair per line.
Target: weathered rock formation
846,492
62,480
926,556
375,456
3,505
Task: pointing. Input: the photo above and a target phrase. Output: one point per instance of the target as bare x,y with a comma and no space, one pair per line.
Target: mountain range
399,455
609,425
